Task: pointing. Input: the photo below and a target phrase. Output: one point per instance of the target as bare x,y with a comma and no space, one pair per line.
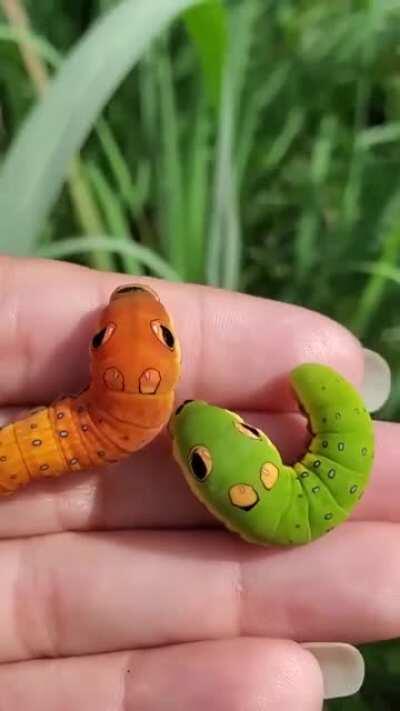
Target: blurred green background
253,145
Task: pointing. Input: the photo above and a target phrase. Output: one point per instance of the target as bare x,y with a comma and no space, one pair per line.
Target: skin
84,558
239,475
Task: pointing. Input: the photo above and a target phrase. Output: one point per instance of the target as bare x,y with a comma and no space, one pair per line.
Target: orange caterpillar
135,364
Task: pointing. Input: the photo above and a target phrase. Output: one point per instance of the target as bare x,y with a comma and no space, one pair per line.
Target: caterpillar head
135,349
231,466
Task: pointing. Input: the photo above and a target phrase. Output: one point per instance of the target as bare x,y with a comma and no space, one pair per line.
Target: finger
234,675
143,493
147,491
237,349
72,594
381,501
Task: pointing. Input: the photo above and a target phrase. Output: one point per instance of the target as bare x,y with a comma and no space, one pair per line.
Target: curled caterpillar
238,473
135,364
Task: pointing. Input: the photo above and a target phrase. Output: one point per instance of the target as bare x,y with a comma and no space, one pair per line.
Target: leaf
197,182
61,122
225,246
45,49
171,180
207,25
113,211
83,245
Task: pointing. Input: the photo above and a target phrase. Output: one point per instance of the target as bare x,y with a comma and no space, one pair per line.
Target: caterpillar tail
334,473
49,442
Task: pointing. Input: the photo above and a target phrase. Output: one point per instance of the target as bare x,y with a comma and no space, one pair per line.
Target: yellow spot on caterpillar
243,496
269,475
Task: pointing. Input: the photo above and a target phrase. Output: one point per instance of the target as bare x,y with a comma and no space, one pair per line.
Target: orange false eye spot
247,430
129,289
113,379
149,381
163,333
101,337
269,475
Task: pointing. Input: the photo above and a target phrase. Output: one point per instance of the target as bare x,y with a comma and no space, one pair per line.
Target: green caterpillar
238,473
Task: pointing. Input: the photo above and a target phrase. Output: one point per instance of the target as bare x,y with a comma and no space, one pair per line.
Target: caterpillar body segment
135,364
238,473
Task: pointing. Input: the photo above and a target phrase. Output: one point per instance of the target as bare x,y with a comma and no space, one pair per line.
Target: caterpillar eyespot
164,334
129,399
200,462
101,337
243,481
247,430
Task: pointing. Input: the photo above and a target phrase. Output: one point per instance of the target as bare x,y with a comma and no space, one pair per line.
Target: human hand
119,591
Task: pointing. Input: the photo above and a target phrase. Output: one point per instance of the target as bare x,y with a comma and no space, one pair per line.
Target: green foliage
207,25
380,691
60,123
251,144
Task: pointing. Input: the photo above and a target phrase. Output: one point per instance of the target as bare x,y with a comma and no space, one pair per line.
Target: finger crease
239,591
37,605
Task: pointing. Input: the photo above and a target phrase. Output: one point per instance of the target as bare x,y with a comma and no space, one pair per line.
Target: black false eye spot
181,406
103,336
248,430
163,333
249,507
97,340
168,336
253,430
130,289
200,463
133,288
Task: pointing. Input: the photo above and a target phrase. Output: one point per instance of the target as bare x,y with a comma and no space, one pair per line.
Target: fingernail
342,667
376,385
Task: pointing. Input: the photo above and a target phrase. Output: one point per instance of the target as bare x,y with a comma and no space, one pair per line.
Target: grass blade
224,256
119,168
198,195
83,245
207,24
257,102
87,212
42,47
382,269
283,142
171,179
61,122
113,212
305,248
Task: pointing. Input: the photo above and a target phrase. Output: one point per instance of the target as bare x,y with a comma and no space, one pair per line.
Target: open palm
119,591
